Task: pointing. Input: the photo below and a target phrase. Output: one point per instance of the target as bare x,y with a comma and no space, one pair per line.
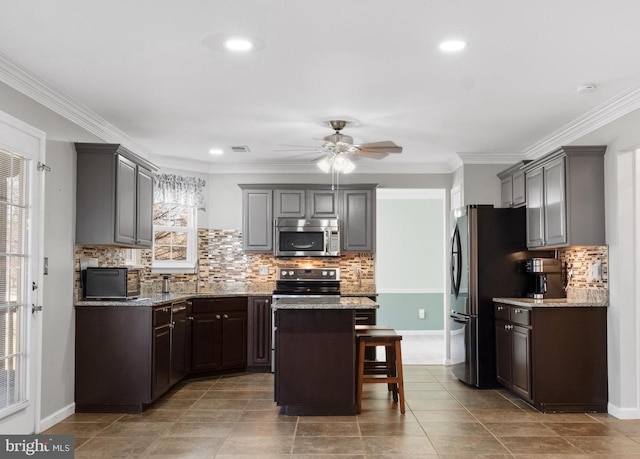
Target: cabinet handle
500,308
518,311
218,316
225,316
190,318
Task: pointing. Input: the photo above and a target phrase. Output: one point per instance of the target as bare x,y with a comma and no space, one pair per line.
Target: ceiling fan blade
371,154
386,146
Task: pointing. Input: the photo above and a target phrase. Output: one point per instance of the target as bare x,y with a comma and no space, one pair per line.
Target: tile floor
235,417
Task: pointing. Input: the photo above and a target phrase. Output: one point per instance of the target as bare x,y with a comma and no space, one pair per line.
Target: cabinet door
144,222
257,225
506,192
259,332
125,230
555,217
234,339
535,211
206,353
521,361
503,353
289,204
161,365
357,221
180,344
518,190
322,204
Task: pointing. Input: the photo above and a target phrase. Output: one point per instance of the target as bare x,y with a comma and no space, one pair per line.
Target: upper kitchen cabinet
353,205
358,220
565,198
322,203
114,196
305,203
257,219
512,185
289,203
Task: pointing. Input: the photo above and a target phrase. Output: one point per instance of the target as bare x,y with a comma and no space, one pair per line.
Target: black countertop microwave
112,283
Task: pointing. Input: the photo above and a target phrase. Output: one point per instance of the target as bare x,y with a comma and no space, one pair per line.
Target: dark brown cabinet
180,340
161,351
114,196
553,357
219,334
315,361
513,349
259,334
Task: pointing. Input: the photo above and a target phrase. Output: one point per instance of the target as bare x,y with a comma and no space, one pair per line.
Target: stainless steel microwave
307,238
112,283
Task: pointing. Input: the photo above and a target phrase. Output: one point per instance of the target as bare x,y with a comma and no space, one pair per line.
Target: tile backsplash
221,260
583,285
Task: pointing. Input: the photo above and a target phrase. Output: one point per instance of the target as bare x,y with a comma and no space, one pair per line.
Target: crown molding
31,85
614,108
490,158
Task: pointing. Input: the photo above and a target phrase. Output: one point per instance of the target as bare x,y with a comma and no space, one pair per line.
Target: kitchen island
315,352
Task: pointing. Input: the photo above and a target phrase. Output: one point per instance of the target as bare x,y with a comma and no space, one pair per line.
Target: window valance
176,189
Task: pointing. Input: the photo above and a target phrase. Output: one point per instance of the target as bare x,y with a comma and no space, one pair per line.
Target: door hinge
43,167
35,308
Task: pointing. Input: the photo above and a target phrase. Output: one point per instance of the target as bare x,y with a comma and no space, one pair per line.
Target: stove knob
332,273
324,273
291,273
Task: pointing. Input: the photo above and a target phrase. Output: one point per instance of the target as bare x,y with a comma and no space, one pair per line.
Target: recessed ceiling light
238,44
233,43
452,46
216,151
586,88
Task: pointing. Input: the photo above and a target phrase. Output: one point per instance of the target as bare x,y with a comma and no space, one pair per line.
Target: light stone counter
350,302
551,302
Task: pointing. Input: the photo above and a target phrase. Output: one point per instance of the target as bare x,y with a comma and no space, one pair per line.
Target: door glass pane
13,271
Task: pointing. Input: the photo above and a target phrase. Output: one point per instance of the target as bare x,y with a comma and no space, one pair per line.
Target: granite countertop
551,302
349,302
218,291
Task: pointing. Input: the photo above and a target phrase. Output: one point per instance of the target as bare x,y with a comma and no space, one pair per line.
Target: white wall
622,210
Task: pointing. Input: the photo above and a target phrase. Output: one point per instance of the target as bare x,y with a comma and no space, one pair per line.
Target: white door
21,223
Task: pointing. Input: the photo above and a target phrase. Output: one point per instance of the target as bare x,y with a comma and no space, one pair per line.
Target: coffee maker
545,278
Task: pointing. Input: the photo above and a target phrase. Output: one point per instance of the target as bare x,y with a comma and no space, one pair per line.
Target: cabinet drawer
502,311
520,316
205,305
161,316
366,317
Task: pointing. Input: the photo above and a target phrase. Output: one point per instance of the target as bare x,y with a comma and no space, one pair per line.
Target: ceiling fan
339,147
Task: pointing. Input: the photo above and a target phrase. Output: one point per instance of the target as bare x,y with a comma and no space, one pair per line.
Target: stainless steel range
303,283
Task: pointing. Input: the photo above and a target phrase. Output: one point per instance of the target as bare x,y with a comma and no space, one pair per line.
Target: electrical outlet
264,270
421,313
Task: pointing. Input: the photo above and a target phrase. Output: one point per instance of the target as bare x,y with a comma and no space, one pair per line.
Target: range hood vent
240,149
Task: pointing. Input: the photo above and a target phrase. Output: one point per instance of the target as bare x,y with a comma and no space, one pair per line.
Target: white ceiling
141,70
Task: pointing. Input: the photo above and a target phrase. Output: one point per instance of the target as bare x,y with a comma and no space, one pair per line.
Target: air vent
240,149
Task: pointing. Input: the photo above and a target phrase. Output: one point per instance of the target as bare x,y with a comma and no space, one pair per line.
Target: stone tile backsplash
222,261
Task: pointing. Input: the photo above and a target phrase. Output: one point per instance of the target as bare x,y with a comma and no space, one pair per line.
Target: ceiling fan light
325,164
340,163
349,166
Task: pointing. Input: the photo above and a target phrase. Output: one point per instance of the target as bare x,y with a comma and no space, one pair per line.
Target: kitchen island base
315,362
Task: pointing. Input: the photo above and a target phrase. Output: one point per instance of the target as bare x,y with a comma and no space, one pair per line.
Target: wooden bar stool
389,372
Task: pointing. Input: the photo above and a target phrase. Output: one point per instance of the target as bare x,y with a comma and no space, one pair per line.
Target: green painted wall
400,311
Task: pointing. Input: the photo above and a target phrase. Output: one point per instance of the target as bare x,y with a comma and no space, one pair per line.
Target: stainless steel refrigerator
487,247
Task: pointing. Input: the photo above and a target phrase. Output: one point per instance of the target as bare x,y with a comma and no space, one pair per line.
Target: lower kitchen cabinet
219,334
180,340
259,334
553,357
123,357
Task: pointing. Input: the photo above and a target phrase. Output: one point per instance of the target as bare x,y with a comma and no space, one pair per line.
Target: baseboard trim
623,413
57,417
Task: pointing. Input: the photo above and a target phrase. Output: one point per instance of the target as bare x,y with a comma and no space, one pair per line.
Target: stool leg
399,374
389,357
361,348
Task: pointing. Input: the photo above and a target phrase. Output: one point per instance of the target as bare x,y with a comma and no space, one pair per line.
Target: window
14,258
174,238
